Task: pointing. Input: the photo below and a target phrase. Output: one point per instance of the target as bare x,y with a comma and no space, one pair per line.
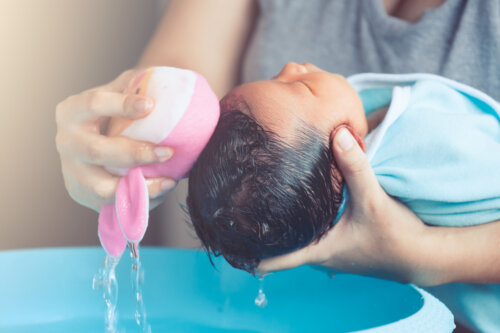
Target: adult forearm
459,254
200,35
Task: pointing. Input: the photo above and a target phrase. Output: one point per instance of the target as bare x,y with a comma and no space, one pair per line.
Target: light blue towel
441,155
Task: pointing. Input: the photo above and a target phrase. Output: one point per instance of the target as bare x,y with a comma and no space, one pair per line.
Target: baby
267,183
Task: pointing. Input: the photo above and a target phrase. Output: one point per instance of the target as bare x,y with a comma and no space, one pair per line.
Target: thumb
120,83
282,262
353,164
313,253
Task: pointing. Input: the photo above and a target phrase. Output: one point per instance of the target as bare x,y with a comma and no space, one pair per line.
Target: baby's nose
292,69
310,67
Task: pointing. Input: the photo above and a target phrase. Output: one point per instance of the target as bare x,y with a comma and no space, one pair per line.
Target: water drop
261,299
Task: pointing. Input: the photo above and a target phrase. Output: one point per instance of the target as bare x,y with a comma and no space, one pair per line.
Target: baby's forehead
233,101
281,123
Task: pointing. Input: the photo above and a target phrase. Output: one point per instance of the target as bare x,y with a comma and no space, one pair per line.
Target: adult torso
459,39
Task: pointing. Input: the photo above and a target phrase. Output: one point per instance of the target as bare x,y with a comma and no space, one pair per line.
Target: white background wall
51,49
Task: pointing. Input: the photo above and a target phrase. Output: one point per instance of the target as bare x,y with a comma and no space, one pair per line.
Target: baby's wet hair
252,196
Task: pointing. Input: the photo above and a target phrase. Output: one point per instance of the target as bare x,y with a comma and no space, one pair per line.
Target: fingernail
167,184
344,139
143,105
163,153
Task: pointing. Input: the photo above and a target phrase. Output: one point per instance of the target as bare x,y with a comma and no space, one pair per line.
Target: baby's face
300,94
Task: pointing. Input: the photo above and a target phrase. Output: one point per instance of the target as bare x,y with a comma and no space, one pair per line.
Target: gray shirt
459,40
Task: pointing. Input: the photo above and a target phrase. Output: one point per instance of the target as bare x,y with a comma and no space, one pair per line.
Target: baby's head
266,183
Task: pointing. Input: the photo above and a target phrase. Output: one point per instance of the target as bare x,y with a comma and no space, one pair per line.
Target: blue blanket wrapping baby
437,149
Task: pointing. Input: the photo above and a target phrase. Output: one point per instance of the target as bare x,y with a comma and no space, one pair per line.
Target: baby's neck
376,117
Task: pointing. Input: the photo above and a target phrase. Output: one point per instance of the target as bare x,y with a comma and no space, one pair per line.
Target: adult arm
379,236
207,36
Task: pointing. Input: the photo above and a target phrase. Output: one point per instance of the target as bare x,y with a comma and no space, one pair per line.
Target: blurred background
49,50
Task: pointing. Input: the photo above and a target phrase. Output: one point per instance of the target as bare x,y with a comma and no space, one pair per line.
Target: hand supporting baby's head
266,183
253,196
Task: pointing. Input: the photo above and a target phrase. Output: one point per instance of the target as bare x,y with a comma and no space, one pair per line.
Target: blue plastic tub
50,290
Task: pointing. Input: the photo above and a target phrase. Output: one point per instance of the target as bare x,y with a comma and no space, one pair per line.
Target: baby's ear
357,137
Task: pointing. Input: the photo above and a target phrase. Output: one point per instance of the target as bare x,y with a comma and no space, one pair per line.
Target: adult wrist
433,258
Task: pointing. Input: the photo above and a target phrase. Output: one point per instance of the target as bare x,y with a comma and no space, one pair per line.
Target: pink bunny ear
109,232
132,205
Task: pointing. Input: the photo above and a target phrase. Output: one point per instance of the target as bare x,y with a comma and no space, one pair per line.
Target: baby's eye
138,90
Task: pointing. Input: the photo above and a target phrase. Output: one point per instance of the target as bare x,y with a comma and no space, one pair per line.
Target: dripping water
105,279
137,279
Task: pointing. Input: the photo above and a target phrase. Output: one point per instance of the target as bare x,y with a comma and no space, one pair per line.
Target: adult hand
84,150
377,235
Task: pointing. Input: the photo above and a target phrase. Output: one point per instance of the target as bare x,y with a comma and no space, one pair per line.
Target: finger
73,186
113,151
158,187
325,269
158,199
317,253
354,165
91,186
121,82
94,104
285,261
153,203
97,186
